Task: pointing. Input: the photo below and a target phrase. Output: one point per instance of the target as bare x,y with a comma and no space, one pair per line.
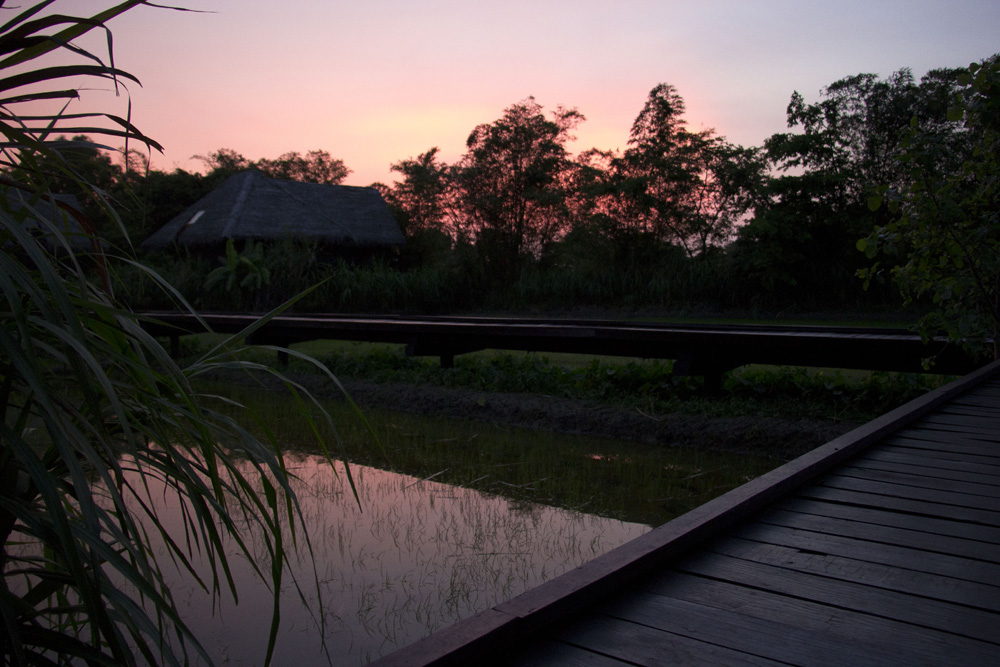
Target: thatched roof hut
250,205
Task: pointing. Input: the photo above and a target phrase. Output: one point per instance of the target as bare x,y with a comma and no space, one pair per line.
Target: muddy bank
766,435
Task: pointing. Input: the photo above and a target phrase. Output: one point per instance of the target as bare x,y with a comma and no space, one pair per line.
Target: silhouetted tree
314,167
671,186
662,168
223,163
511,184
422,200
800,244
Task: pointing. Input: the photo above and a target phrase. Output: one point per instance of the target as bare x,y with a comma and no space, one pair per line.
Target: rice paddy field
458,517
420,521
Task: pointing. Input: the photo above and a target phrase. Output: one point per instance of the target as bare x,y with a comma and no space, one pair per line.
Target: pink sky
379,81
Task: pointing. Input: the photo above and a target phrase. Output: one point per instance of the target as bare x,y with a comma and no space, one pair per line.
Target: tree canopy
943,240
812,208
511,183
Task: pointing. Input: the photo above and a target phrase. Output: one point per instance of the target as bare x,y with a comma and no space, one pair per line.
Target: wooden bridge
699,349
881,547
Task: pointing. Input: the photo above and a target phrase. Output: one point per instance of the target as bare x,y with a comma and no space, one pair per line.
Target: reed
95,412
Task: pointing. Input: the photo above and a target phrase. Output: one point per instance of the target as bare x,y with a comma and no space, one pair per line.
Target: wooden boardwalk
880,548
698,349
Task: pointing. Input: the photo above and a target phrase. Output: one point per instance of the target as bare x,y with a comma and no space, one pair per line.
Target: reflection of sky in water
416,557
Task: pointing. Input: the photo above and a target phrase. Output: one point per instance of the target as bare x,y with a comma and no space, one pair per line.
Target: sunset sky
378,81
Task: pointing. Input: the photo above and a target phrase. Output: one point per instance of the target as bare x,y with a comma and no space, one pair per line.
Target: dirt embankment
770,436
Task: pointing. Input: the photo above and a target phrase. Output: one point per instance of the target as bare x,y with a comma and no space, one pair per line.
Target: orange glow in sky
380,81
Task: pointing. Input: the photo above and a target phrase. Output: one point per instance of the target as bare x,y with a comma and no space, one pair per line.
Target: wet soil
769,436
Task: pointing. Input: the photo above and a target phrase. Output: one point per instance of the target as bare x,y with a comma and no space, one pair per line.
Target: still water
405,559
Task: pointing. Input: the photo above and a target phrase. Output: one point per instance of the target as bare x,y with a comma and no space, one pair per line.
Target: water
415,557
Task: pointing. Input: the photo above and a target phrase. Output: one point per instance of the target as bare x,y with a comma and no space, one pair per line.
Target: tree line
770,226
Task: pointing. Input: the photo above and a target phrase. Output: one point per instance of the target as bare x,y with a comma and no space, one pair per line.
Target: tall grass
379,286
453,284
96,414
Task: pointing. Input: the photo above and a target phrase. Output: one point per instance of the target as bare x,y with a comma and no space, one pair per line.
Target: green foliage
240,271
648,385
93,408
518,223
944,242
666,279
839,394
800,244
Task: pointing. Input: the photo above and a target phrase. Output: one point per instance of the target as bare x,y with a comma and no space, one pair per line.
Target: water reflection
417,556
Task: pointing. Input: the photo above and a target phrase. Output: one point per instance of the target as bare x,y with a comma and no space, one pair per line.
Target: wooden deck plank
980,421
970,450
988,483
925,450
928,646
876,575
924,458
975,426
643,644
978,411
923,481
916,506
888,535
984,439
947,441
739,632
975,400
903,537
553,653
885,517
956,408
912,492
916,467
910,558
983,432
946,617
972,412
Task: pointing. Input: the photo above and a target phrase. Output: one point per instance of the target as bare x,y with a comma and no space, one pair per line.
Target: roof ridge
241,200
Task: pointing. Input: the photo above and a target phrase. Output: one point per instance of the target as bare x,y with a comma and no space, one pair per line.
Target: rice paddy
472,516
406,558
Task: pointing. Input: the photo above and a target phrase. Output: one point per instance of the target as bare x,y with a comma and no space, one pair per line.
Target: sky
380,81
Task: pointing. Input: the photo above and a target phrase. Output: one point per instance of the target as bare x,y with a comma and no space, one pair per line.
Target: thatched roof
250,205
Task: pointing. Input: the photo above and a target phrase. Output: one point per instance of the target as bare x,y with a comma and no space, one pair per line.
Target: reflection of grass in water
626,480
416,556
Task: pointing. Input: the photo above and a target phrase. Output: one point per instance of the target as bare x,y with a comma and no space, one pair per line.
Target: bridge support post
713,382
687,364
